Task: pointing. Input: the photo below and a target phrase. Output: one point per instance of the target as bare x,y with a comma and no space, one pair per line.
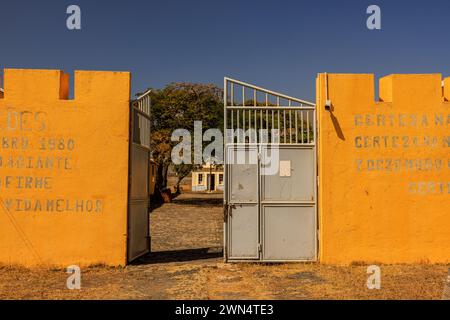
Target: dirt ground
186,263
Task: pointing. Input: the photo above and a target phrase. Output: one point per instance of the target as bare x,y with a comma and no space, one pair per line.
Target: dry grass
191,226
212,279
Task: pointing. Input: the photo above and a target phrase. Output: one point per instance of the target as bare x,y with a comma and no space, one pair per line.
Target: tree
182,171
177,106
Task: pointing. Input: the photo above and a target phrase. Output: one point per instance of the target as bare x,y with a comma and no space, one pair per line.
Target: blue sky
280,45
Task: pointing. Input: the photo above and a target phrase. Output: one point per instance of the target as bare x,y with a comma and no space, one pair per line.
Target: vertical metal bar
249,120
140,122
301,124
314,125
232,119
307,125
296,126
267,119
243,122
237,127
261,123
225,160
249,125
278,118
237,112
267,125
145,122
144,125
150,121
272,121
256,116
256,126
232,93
284,125
290,123
225,127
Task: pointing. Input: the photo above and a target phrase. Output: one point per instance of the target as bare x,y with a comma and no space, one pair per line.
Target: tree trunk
165,170
160,177
178,191
180,178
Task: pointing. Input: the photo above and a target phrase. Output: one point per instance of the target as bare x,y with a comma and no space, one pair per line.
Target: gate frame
228,205
314,146
295,203
137,108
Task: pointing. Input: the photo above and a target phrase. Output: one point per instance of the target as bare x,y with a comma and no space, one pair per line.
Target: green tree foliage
177,106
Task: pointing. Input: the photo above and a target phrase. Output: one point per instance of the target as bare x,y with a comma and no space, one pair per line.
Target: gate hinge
259,247
227,211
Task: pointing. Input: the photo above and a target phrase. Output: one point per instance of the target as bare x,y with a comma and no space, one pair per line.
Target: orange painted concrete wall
384,191
64,168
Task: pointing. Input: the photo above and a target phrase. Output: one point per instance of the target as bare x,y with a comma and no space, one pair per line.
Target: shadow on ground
180,256
205,202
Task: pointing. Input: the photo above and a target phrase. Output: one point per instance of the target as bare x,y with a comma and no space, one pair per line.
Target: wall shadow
180,256
199,202
337,126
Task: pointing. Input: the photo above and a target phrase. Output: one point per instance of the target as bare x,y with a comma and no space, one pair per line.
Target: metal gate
139,182
270,199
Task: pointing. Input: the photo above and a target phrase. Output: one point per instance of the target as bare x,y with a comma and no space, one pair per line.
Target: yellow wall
205,178
195,179
74,211
374,206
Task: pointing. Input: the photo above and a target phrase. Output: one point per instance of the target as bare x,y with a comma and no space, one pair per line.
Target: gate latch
227,211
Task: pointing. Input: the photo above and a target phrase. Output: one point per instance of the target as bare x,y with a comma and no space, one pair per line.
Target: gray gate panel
138,215
139,198
140,159
270,213
244,232
289,233
243,175
295,180
138,229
